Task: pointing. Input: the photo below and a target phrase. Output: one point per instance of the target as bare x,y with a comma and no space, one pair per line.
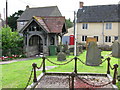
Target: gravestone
61,55
116,49
45,51
80,48
93,56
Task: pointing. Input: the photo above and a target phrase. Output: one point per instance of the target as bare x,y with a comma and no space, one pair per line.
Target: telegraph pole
6,12
75,36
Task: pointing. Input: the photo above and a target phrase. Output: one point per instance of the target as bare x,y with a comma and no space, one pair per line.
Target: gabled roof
100,13
51,24
39,11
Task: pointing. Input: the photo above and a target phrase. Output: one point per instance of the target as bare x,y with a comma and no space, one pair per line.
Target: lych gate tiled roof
39,11
100,13
51,24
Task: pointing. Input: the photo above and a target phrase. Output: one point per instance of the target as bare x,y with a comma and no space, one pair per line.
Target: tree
12,20
69,24
12,43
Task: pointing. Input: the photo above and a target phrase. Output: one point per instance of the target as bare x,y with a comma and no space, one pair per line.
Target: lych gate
40,32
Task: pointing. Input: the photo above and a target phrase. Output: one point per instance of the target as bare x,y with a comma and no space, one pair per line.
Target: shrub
12,43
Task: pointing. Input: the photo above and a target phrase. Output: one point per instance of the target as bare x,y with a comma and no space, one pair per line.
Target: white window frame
22,23
108,39
84,37
97,37
115,37
84,26
108,26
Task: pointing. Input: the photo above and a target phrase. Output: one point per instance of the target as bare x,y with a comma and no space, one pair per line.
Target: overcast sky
67,7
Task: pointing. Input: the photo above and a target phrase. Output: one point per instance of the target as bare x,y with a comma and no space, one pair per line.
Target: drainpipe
103,32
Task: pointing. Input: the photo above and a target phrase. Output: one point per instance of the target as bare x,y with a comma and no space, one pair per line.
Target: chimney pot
27,7
81,5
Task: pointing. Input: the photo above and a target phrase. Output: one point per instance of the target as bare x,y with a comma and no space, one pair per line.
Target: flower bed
5,58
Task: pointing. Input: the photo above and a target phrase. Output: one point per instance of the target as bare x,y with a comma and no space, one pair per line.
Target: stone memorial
93,56
116,49
80,48
45,51
61,55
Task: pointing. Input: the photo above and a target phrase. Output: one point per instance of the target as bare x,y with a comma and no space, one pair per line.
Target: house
66,37
36,11
41,27
100,21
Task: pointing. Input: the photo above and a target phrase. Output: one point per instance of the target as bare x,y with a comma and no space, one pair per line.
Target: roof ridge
103,5
42,7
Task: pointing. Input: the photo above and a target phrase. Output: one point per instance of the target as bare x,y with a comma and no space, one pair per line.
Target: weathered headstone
80,48
45,51
116,49
61,55
93,56
65,47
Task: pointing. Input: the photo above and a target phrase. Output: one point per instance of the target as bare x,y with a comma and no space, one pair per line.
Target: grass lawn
15,75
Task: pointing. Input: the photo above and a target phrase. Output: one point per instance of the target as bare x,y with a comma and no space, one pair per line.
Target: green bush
12,43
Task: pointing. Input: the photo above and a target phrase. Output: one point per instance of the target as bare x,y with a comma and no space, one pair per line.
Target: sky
66,7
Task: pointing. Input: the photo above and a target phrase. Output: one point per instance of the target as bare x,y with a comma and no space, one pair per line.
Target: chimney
81,5
0,15
27,7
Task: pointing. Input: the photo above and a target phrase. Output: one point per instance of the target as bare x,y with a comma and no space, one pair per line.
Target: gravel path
23,59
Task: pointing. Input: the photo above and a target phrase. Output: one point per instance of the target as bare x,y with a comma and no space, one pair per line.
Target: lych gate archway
35,44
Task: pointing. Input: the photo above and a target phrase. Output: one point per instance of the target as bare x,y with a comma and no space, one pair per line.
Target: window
107,38
116,38
84,38
85,26
22,23
108,25
96,37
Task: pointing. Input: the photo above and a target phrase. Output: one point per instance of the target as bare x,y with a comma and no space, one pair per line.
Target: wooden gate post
43,65
108,67
34,68
72,76
75,68
115,74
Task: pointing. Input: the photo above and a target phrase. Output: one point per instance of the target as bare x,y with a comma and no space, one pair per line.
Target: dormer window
22,23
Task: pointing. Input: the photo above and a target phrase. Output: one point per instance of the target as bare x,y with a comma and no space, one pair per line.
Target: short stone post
108,67
43,65
34,68
75,69
115,74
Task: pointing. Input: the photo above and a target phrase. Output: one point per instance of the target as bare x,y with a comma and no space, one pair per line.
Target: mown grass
15,75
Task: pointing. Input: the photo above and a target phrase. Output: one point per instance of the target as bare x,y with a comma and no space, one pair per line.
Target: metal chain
92,84
111,67
81,61
85,63
40,65
59,64
103,61
29,79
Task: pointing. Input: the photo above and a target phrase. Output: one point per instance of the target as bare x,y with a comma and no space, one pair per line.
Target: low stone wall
32,50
